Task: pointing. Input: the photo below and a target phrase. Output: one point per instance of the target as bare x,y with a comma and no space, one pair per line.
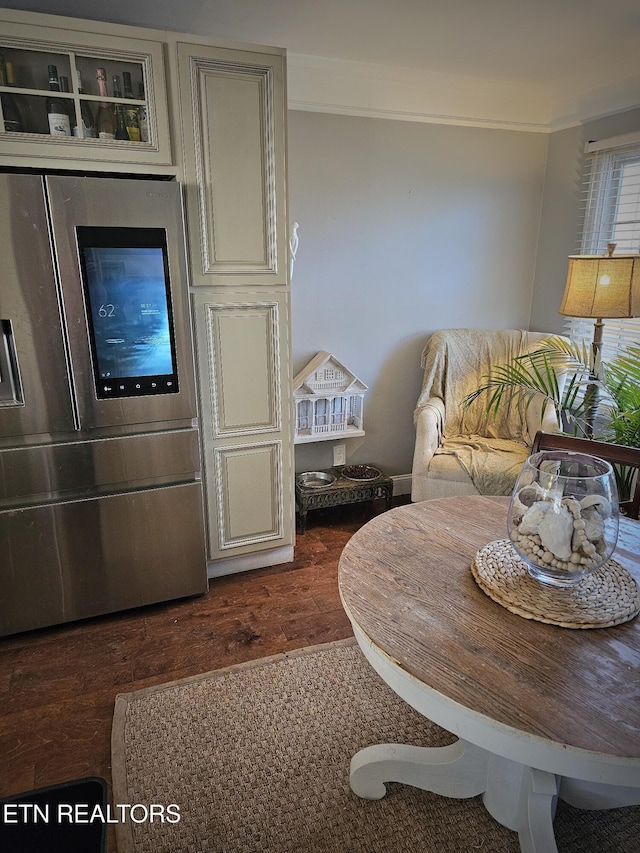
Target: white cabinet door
244,378
233,114
233,125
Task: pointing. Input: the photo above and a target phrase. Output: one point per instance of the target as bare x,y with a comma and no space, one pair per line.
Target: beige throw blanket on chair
490,450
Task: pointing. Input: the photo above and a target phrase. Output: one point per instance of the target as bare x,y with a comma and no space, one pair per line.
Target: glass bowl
563,516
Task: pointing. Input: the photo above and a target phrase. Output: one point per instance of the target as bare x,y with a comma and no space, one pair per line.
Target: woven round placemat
606,597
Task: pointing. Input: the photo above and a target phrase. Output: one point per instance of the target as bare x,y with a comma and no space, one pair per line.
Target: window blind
610,213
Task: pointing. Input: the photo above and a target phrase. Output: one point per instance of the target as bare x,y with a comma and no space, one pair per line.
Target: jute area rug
257,758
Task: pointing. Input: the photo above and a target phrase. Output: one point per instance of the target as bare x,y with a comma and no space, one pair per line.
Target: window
339,409
611,214
305,415
323,413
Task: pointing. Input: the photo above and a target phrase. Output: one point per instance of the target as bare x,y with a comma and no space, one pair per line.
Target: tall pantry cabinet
233,113
217,123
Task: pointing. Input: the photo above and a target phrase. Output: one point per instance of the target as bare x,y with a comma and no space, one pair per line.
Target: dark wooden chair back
616,454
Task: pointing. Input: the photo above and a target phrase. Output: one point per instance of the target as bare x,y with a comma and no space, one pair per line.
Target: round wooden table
540,711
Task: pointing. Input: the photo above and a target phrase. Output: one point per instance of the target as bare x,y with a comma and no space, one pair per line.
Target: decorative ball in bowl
563,516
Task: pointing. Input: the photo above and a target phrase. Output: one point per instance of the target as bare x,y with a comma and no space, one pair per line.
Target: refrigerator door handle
10,385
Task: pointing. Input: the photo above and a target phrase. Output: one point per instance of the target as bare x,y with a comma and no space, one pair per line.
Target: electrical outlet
340,454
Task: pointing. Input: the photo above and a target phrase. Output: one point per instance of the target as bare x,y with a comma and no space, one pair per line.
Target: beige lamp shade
602,286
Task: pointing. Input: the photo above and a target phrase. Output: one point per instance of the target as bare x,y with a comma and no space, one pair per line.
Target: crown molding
326,85
615,96
343,87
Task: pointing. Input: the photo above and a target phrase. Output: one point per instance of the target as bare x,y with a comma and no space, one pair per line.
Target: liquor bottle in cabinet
59,124
10,112
144,122
86,114
105,117
67,103
131,114
121,125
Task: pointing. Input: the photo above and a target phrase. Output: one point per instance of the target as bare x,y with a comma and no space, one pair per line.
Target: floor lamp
601,287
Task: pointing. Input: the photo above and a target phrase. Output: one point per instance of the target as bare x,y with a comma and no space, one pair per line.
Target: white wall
405,228
558,227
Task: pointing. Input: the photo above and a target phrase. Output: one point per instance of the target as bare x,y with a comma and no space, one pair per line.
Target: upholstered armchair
466,451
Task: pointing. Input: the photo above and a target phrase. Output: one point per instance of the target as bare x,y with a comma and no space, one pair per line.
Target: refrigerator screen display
125,276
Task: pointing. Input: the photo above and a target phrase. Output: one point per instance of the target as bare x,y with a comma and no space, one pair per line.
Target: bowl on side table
316,479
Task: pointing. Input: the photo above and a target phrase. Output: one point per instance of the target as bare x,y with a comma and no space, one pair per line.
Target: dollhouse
328,401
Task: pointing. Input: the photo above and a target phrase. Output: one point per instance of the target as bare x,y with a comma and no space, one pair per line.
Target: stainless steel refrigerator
100,490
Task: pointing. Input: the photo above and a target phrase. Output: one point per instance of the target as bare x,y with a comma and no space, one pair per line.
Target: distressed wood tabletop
405,579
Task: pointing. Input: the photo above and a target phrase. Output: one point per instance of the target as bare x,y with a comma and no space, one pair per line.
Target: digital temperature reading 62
130,315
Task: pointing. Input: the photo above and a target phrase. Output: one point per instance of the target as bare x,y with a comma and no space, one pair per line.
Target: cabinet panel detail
232,109
249,487
235,149
244,366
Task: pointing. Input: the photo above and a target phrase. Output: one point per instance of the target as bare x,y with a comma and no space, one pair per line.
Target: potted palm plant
622,422
572,379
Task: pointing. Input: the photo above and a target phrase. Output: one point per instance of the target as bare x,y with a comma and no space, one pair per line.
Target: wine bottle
105,117
59,124
126,84
86,114
142,113
10,112
121,125
68,103
22,103
131,114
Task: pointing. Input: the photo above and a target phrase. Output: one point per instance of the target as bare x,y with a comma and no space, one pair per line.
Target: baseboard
261,559
248,562
401,484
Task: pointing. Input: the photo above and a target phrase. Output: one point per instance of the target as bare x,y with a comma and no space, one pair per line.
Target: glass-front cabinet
64,97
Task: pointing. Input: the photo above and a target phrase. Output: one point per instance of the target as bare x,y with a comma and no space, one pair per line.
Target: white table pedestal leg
523,799
457,770
594,795
517,796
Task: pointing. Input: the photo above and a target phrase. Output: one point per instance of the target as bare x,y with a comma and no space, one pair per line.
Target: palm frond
622,384
534,374
562,372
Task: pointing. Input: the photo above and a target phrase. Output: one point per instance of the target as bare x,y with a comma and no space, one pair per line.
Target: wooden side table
343,491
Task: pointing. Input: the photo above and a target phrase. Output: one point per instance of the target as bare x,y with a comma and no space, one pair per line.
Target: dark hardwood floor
58,685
